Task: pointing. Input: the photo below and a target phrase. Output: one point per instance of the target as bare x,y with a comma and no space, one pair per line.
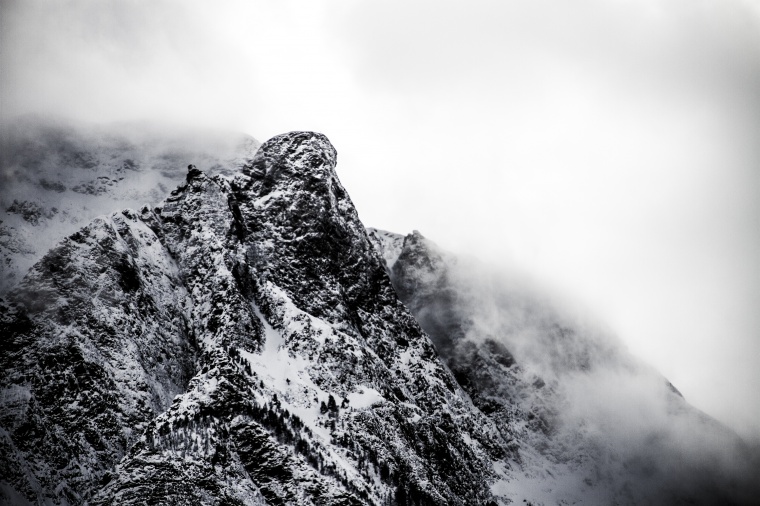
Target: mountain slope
297,375
57,176
248,341
593,424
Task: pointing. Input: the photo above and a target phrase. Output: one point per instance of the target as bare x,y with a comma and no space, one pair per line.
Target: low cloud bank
612,427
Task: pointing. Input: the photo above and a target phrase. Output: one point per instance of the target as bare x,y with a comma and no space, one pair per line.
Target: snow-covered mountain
593,424
248,341
240,343
56,176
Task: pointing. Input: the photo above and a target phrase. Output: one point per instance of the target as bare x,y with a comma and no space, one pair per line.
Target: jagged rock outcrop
242,342
57,176
239,344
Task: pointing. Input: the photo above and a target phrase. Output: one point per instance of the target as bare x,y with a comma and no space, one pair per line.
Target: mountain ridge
57,176
248,341
231,272
592,422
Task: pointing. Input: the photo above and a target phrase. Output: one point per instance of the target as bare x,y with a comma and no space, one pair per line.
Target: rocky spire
266,288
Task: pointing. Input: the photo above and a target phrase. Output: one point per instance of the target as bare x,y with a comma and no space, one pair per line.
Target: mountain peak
192,172
294,155
242,343
258,299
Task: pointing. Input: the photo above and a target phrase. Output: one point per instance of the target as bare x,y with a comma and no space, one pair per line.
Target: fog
612,429
608,147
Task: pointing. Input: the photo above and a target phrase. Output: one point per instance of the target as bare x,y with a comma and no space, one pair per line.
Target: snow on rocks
276,363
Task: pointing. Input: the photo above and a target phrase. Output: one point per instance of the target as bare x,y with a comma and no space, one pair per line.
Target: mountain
593,424
239,344
248,341
56,176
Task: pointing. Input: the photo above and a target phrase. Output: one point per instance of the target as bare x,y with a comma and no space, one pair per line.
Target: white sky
609,147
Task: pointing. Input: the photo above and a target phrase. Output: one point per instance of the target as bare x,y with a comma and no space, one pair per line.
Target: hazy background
611,148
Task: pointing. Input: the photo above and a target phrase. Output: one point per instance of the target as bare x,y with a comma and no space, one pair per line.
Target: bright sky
611,148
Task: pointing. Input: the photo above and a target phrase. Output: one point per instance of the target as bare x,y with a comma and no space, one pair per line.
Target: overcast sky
611,148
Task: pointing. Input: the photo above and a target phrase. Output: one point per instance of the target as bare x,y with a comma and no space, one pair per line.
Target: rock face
57,176
242,342
239,344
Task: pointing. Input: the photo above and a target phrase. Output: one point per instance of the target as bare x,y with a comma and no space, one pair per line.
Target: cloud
434,47
612,429
610,147
123,60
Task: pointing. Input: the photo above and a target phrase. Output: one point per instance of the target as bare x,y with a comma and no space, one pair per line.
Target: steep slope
242,343
239,344
593,424
57,176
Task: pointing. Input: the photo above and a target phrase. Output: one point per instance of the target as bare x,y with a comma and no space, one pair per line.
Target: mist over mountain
594,424
606,147
244,339
56,175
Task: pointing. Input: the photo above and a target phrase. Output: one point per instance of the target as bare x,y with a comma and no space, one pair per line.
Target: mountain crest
304,379
294,156
242,343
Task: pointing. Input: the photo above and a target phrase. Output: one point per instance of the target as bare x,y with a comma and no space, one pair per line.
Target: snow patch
366,397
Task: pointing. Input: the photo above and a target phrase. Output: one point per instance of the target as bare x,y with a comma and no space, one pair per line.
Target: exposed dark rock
32,212
192,173
242,343
205,303
76,172
474,318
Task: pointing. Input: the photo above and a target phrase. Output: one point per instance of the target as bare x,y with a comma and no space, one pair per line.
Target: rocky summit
248,342
241,343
